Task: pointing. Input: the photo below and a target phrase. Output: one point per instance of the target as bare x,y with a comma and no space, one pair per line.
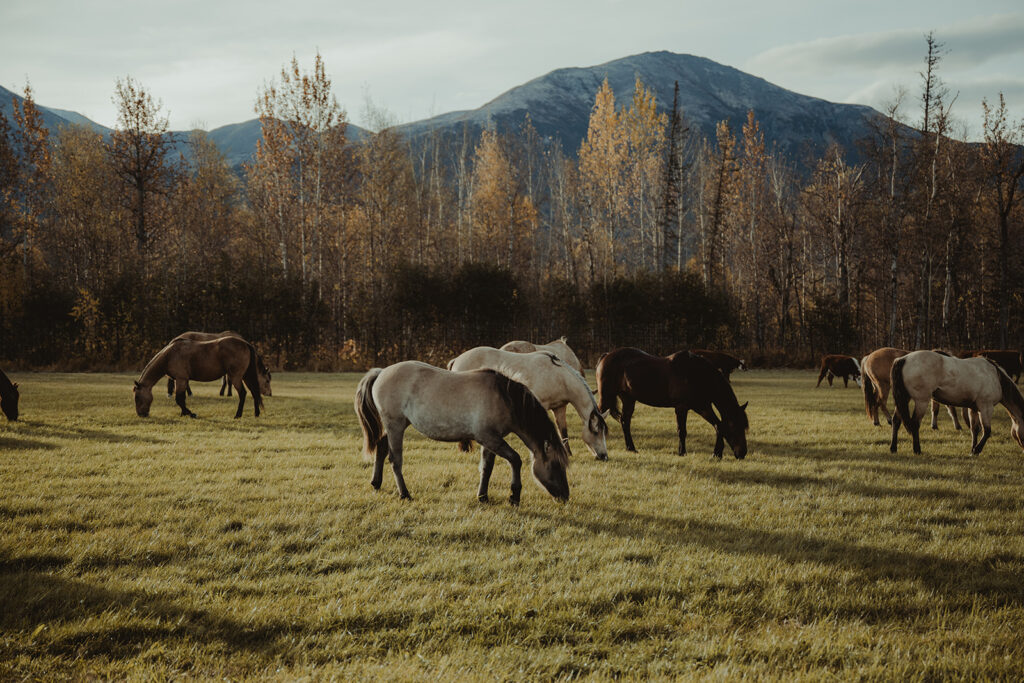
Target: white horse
974,384
558,347
552,381
481,406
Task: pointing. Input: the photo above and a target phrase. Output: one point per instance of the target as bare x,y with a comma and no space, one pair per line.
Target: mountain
560,102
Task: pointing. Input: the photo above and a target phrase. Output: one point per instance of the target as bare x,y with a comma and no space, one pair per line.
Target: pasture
255,548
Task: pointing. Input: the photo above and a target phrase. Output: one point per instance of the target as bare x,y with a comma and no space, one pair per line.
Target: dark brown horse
725,362
204,361
683,381
1008,359
204,336
9,396
838,365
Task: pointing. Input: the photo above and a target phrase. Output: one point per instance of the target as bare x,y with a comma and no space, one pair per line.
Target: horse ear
137,385
15,385
606,413
744,406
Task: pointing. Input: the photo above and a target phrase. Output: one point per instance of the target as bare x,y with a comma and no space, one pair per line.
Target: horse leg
821,376
846,381
486,467
378,462
883,396
241,401
830,376
180,385
956,420
895,422
504,450
935,414
974,422
226,381
709,415
628,404
985,417
681,413
563,428
224,385
395,438
170,387
914,425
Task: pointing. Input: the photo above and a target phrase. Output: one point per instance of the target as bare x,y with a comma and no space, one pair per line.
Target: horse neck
580,395
722,395
155,369
1013,401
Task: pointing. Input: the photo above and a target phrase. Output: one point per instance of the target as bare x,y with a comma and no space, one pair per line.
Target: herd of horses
487,393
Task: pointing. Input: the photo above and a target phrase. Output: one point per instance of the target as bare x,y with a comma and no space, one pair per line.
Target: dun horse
877,367
725,362
205,336
204,361
559,347
837,365
974,384
552,381
481,406
683,381
9,396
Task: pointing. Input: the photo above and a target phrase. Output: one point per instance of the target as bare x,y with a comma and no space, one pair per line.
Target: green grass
255,548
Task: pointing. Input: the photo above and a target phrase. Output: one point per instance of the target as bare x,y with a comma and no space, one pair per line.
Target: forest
332,252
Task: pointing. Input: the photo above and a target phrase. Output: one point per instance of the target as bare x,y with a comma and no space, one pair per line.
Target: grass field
255,548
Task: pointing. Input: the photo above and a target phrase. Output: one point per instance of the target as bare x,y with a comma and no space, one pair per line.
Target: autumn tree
643,129
673,202
715,194
31,142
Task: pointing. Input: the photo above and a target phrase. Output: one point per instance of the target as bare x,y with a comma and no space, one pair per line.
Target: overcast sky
207,61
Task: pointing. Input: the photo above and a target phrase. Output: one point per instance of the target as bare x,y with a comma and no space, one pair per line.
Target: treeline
334,253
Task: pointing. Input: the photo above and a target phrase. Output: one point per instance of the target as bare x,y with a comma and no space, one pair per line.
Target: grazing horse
876,367
725,362
838,365
9,396
974,384
205,336
482,406
683,381
559,347
552,381
204,361
1009,359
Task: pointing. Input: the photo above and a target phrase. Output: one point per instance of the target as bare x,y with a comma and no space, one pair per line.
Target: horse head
143,399
596,433
549,466
263,375
733,428
9,402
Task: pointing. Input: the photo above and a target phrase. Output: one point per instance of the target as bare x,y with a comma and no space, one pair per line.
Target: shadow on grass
956,580
17,443
65,432
32,596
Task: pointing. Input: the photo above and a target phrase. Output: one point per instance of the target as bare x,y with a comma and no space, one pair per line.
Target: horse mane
721,391
529,413
6,386
1010,391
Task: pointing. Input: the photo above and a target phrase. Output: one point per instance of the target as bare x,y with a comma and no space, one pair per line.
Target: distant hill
560,102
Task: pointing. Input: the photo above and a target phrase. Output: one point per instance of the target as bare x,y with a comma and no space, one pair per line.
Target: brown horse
204,361
9,396
974,384
838,365
683,381
204,336
725,362
877,367
1008,359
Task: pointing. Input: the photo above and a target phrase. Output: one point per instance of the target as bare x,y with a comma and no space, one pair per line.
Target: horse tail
900,395
252,379
369,417
608,382
870,392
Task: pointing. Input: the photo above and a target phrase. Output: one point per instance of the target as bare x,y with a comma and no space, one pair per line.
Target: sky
207,62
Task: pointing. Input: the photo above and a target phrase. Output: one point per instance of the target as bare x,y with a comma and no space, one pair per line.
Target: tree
31,142
673,204
140,149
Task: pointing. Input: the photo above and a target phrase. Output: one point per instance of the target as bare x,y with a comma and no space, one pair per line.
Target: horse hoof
405,496
375,485
513,501
483,498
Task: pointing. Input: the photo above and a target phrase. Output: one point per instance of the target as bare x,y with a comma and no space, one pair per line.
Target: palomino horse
204,336
552,381
725,362
1009,359
837,365
9,396
204,361
683,381
974,384
559,347
876,367
481,406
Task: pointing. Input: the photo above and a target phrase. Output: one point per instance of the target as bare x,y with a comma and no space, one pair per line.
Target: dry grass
169,548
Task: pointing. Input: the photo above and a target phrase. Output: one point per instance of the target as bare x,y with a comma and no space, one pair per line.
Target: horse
838,365
876,367
559,347
683,381
1009,359
725,362
204,361
204,336
552,381
9,396
482,406
974,384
